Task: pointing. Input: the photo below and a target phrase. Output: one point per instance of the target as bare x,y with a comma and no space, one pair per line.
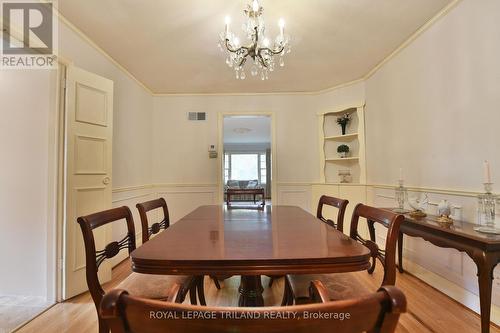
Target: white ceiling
247,129
171,45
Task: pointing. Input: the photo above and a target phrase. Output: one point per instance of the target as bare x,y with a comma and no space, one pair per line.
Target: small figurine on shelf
419,206
345,176
444,212
343,150
343,121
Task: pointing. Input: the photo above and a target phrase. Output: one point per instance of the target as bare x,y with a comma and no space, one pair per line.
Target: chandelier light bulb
266,42
236,41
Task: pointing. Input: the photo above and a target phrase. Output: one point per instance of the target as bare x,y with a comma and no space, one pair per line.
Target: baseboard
450,289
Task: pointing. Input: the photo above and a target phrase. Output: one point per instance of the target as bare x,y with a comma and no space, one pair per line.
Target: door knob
106,180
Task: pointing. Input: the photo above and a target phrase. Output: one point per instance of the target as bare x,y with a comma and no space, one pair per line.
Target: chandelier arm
274,52
245,55
232,50
241,48
261,60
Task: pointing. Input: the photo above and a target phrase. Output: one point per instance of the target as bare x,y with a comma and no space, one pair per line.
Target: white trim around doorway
220,149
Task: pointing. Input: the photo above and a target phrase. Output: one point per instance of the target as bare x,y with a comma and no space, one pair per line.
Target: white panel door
88,142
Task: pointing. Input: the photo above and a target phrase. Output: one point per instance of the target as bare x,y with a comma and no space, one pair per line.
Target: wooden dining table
214,240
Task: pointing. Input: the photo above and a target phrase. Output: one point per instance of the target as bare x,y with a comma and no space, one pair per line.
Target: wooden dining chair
341,206
348,285
149,229
375,313
143,285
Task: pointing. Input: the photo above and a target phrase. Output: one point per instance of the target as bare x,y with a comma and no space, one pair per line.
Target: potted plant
343,121
343,150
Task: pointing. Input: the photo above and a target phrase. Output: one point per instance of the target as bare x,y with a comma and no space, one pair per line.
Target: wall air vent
197,116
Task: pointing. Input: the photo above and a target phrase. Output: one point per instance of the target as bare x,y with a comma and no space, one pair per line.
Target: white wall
440,98
27,99
182,145
27,136
433,110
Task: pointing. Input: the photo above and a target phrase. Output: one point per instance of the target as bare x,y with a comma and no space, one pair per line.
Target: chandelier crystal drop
262,54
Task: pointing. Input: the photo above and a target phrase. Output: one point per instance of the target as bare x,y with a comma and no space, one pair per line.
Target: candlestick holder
486,211
401,196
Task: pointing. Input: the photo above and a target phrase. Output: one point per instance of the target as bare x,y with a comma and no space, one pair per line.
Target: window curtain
268,174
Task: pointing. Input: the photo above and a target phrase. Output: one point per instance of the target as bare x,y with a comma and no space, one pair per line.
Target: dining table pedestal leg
251,291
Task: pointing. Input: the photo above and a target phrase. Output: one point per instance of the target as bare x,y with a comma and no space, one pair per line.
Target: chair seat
340,285
150,285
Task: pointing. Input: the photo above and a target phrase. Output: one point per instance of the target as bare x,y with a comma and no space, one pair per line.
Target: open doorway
247,160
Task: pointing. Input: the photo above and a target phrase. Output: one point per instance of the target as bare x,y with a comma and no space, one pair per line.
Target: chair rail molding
455,192
132,188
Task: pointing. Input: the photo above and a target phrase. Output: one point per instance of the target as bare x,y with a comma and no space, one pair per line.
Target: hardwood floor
429,311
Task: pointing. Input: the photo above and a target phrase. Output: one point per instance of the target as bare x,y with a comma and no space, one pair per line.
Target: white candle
486,172
282,27
227,20
255,6
401,174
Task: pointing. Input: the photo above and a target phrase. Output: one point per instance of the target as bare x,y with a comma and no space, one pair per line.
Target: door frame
60,179
56,193
220,155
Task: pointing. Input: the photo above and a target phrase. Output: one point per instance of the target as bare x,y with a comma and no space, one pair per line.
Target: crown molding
300,93
443,12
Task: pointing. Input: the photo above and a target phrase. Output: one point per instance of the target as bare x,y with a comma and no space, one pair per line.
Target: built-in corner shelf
330,137
345,137
345,159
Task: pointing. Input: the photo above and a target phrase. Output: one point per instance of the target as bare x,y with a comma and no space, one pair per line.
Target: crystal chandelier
263,55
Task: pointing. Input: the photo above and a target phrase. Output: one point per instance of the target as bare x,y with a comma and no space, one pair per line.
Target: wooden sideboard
483,249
